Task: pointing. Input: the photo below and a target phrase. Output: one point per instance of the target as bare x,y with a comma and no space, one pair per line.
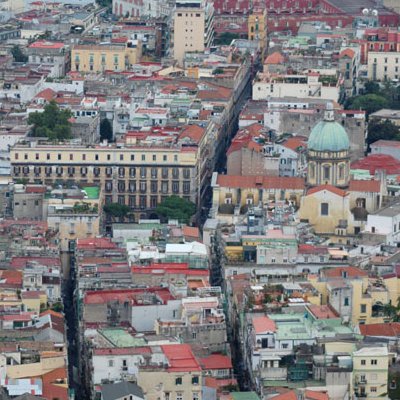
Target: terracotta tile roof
180,358
314,395
267,182
337,272
35,189
218,383
370,186
310,249
46,94
95,243
191,231
329,188
275,58
375,162
347,53
216,361
10,278
22,262
263,324
322,312
193,132
286,396
391,329
296,142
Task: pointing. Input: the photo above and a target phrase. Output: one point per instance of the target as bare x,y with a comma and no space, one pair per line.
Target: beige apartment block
383,66
193,27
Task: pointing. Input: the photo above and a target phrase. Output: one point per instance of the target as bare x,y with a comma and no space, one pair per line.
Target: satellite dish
365,11
375,12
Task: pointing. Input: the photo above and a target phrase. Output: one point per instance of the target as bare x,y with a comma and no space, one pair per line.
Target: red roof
329,188
275,58
347,53
267,182
216,361
337,272
52,386
263,324
296,142
310,249
35,189
180,358
121,351
314,395
285,396
123,295
95,243
47,94
218,383
168,268
365,186
21,262
375,162
10,278
191,231
322,312
44,44
391,329
193,132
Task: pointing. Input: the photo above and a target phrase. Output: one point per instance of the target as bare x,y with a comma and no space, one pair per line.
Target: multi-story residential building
383,66
257,27
193,27
370,372
312,85
138,176
147,8
99,58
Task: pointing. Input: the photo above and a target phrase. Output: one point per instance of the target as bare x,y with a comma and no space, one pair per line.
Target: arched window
341,171
312,171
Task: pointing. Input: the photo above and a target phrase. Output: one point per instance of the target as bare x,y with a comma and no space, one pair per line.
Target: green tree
226,38
175,207
52,123
106,132
368,102
116,211
372,87
18,55
385,130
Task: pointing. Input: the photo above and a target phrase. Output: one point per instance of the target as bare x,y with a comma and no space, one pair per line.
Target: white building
385,223
383,65
312,85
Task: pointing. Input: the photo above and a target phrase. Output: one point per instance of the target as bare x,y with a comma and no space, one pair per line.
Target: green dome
328,136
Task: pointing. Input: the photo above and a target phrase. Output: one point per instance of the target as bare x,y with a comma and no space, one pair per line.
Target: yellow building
74,213
257,27
100,58
370,372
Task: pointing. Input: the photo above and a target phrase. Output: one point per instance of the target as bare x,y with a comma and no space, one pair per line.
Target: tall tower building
193,27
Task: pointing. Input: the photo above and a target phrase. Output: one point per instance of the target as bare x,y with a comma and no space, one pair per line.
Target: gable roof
370,186
391,329
193,132
275,58
216,361
180,358
263,324
337,272
329,188
113,391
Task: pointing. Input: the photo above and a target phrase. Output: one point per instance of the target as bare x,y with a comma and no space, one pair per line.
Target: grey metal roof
113,391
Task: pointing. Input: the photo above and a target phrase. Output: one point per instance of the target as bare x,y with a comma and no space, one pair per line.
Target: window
327,172
143,157
175,187
121,157
164,173
71,157
164,158
96,157
195,380
179,396
132,186
178,381
363,362
132,172
143,172
132,157
374,362
363,308
154,157
346,301
153,186
108,157
373,389
121,200
143,186
341,171
194,335
324,209
110,363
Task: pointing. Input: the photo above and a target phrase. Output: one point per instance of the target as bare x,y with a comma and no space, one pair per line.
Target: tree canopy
52,123
175,207
18,54
116,211
226,38
106,132
385,130
368,102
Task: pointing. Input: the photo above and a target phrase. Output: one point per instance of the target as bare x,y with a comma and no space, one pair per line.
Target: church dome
328,135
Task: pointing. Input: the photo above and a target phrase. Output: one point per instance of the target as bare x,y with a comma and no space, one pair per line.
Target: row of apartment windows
143,186
141,202
96,157
122,172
